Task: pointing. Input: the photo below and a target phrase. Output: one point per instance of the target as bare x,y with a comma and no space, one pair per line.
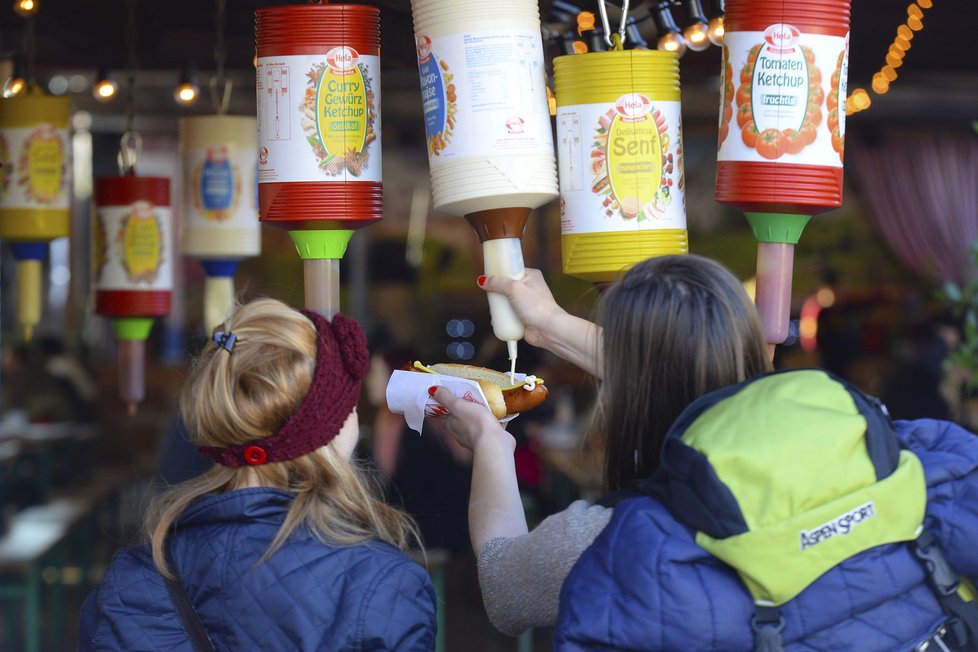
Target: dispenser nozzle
28,295
504,257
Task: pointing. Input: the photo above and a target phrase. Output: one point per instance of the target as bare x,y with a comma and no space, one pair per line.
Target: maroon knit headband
342,360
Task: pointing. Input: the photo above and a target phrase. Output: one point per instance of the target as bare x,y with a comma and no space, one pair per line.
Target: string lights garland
699,33
859,99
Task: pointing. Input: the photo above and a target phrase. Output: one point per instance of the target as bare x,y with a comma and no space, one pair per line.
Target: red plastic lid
132,303
829,17
122,191
293,205
309,29
778,188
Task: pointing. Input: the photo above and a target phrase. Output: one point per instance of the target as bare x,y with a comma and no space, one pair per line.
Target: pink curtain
922,192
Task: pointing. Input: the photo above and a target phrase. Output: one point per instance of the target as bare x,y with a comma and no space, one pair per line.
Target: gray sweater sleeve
521,576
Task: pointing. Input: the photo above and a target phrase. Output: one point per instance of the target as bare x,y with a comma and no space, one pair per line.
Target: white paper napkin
407,394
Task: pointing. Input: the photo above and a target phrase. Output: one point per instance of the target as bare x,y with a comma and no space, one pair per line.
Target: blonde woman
282,545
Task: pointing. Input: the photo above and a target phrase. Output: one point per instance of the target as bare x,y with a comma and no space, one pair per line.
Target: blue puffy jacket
307,596
645,585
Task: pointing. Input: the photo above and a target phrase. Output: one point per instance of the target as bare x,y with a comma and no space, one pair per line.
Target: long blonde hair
235,398
674,328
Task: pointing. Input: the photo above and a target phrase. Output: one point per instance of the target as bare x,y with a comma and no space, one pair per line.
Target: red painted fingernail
481,280
432,390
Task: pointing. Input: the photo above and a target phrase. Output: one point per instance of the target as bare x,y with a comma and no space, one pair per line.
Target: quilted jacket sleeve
398,610
949,454
130,610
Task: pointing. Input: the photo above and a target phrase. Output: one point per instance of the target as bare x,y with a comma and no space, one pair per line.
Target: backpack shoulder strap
962,623
196,633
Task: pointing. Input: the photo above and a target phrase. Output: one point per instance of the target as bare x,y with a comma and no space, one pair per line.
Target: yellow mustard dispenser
620,160
35,196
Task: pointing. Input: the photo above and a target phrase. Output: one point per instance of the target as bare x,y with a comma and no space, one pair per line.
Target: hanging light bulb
17,80
26,8
697,32
105,88
187,90
715,30
670,37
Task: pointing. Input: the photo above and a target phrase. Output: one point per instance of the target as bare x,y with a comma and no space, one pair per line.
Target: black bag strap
767,625
962,622
199,639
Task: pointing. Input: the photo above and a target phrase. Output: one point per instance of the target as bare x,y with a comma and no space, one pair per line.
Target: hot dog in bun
504,395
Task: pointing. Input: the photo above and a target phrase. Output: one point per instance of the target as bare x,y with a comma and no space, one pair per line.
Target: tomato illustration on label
141,237
780,96
338,112
631,161
726,98
835,102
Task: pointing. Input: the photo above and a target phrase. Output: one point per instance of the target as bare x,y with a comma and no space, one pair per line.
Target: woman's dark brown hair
674,328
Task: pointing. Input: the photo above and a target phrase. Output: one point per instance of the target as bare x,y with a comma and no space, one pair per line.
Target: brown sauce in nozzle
497,223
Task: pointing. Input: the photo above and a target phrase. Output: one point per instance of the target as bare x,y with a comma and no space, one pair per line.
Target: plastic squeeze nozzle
776,234
218,291
132,333
30,257
500,230
321,251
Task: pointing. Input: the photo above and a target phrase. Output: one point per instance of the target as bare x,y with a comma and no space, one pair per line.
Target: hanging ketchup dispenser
35,190
487,127
132,262
319,164
782,127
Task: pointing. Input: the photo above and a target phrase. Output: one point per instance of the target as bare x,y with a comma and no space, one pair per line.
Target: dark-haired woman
670,330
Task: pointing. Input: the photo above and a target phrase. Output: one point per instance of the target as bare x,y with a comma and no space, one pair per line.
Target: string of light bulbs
700,31
859,99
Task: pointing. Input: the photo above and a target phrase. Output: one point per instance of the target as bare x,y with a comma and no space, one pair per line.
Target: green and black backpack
787,475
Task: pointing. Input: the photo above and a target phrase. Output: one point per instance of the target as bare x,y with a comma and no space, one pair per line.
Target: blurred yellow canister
620,160
220,203
35,195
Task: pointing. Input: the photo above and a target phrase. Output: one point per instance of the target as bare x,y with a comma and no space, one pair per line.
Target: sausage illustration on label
631,159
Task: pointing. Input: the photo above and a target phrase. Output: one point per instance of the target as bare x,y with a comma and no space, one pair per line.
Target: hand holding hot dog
470,422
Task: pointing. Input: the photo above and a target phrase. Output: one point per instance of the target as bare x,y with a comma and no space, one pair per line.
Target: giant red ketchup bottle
319,156
782,126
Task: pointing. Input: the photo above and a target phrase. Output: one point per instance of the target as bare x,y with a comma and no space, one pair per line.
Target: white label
319,117
835,101
35,166
484,94
132,247
219,182
782,82
621,166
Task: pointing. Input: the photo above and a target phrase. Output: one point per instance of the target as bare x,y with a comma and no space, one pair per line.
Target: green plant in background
964,304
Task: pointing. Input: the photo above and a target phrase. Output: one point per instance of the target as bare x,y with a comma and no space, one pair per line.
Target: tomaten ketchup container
782,129
620,154
132,265
318,92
